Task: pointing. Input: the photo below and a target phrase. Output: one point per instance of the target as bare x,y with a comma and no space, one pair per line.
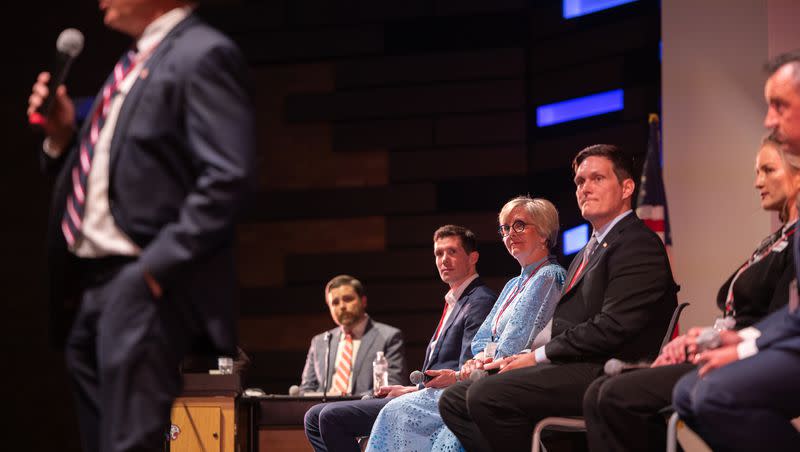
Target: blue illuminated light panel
577,8
575,238
580,107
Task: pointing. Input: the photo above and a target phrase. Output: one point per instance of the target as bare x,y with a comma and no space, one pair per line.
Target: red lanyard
512,296
757,256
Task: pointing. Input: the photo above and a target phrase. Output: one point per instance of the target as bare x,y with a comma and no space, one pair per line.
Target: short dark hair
345,280
779,61
621,162
468,241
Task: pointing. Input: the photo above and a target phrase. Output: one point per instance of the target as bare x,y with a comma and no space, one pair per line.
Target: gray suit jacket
377,337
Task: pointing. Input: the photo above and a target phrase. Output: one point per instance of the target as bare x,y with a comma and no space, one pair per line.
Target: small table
276,420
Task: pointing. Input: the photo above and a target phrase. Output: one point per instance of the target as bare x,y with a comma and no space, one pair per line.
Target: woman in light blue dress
529,228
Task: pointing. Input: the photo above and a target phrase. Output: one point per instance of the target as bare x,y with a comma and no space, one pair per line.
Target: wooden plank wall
380,121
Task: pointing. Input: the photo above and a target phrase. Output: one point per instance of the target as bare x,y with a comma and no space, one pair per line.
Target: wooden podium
204,418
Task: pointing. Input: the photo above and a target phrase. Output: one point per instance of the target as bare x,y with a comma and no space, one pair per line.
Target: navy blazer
454,346
181,162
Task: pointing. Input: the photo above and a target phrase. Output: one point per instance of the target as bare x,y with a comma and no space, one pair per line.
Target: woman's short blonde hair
541,213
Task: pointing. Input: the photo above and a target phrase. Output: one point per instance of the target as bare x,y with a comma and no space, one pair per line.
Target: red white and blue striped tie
76,201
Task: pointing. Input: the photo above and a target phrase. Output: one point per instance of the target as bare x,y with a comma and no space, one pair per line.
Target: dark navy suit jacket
181,161
454,346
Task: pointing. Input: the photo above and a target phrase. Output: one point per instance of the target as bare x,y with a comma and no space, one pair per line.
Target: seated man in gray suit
335,426
354,343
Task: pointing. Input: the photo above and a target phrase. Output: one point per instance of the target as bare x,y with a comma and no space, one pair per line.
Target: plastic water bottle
380,372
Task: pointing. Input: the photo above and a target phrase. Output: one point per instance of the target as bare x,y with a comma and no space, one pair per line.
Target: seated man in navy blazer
335,426
745,393
353,344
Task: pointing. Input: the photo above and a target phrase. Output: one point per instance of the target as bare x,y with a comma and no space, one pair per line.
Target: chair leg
672,433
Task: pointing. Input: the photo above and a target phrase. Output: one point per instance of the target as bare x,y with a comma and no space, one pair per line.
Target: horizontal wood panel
409,100
262,247
480,193
308,45
345,202
417,230
558,151
493,128
426,68
383,134
438,165
445,7
325,12
242,16
594,42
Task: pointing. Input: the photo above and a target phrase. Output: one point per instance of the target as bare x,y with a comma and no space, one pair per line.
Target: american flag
652,201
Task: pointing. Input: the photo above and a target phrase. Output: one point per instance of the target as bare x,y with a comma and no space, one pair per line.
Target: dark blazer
454,346
181,162
377,337
621,304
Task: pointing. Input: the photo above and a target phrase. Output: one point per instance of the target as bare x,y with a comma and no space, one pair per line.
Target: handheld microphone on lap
708,339
614,367
417,377
68,46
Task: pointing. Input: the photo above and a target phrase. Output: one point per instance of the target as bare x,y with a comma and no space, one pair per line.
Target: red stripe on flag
655,225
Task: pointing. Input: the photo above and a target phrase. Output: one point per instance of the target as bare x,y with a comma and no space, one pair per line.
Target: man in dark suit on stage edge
353,344
335,426
744,395
141,230
617,303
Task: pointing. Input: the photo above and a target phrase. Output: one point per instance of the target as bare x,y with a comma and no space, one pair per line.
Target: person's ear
627,188
473,258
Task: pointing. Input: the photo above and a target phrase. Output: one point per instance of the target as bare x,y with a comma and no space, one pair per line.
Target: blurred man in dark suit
143,213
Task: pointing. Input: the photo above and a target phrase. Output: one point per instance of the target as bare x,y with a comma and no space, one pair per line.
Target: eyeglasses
518,227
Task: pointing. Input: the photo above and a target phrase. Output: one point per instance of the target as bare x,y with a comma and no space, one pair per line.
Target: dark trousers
335,426
499,411
621,412
123,353
746,405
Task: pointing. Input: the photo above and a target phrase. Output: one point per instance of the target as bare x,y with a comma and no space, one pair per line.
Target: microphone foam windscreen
70,41
613,367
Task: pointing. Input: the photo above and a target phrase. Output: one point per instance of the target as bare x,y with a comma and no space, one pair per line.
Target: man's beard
349,318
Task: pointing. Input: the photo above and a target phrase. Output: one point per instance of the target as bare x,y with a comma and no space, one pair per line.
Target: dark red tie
587,253
76,201
441,321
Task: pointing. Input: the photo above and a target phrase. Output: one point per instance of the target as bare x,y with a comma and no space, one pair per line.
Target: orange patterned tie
344,367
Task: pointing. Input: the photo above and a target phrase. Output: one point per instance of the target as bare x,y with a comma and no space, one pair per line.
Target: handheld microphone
417,377
68,46
614,367
708,339
294,390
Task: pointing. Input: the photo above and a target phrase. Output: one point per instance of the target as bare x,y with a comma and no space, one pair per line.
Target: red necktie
587,253
76,201
441,321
